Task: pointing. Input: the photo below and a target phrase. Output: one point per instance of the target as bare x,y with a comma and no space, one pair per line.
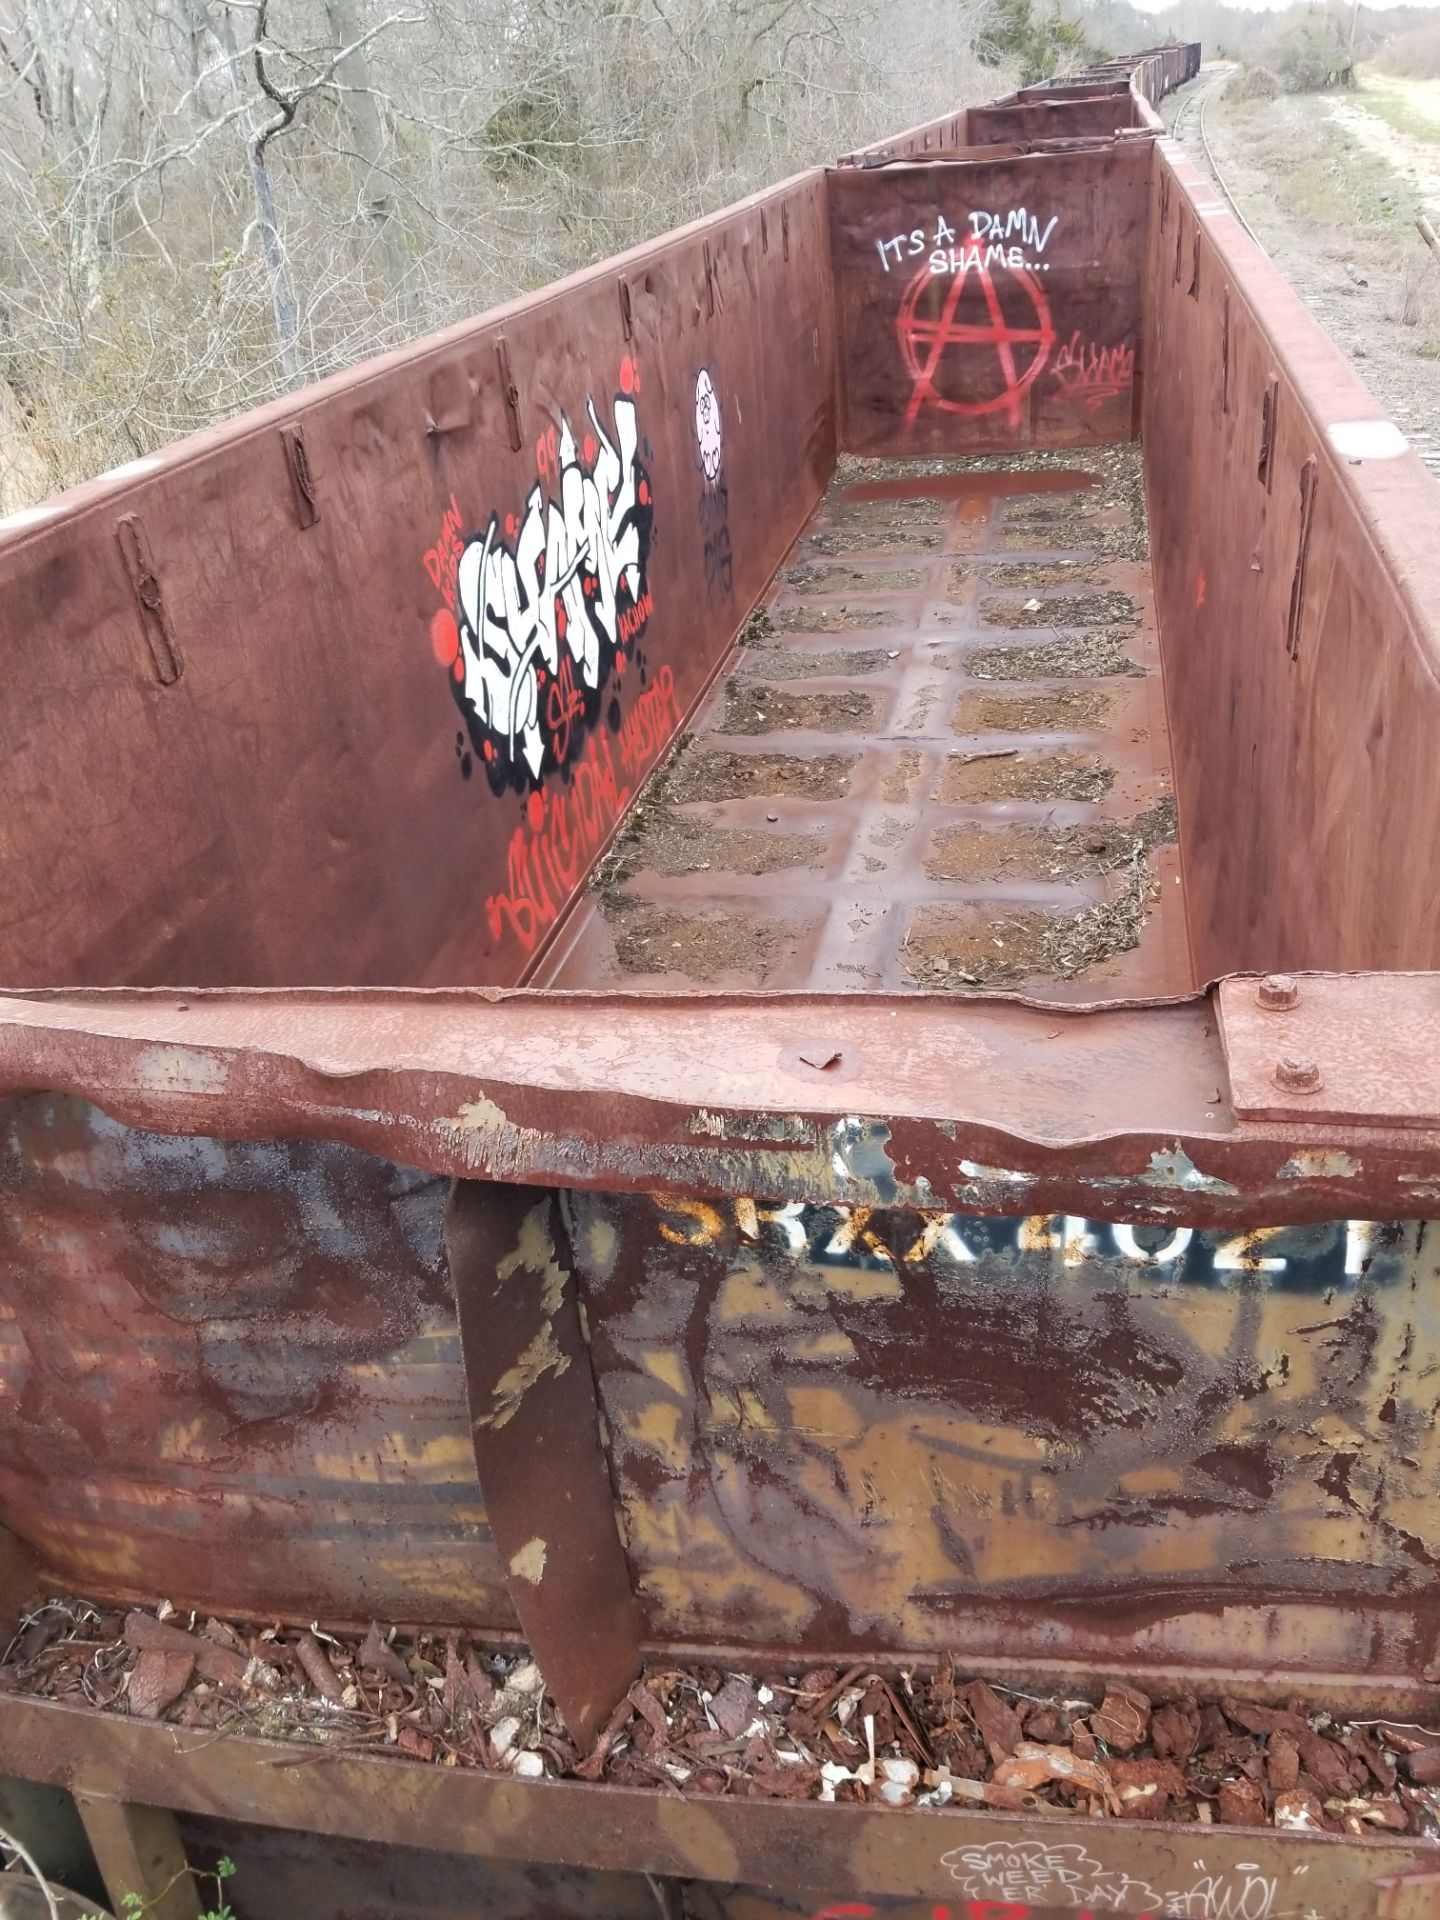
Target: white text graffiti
1015,1875
1033,1872
538,614
994,239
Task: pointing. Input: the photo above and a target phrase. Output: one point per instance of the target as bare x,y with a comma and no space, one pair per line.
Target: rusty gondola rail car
523,1115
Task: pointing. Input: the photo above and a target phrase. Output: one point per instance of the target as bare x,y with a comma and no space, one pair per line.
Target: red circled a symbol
925,341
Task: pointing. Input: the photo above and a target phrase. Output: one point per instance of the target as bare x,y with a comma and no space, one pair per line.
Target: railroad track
1195,104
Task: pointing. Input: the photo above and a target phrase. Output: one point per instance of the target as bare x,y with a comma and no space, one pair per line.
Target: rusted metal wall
946,134
356,688
1018,120
990,303
231,1374
235,1381
837,1427
1297,584
984,1875
713,1857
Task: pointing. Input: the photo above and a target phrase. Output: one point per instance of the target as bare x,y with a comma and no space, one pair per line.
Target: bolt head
1277,991
1297,1073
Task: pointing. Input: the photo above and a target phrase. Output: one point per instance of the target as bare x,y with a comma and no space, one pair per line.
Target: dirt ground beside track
1331,189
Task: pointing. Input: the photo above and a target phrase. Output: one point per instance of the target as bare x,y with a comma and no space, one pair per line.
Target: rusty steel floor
937,759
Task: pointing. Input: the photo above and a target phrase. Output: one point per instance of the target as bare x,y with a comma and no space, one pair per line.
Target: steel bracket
509,393
1308,484
165,656
535,1421
302,481
1408,1896
1358,1049
1269,416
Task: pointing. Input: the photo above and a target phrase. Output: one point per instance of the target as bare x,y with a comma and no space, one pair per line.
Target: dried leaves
431,1698
157,1680
1123,1720
858,1735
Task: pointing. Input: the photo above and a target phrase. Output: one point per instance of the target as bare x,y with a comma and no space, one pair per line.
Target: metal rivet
1297,1073
1277,991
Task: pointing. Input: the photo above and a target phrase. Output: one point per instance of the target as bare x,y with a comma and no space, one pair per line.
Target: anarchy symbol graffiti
972,317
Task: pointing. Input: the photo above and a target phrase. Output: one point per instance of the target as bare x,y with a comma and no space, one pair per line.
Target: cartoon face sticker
709,431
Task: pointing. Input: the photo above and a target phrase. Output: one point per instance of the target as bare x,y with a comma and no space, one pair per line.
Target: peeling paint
181,1070
1170,1167
529,1562
533,1253
1002,1176
542,1356
481,1115
791,1128
1317,1165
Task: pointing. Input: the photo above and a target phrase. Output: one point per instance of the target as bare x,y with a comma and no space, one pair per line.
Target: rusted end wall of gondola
992,301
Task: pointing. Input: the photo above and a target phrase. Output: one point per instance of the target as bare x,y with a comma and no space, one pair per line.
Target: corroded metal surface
859,1856
1090,114
874,1372
536,1426
1116,1111
939,761
1238,1465
230,1373
990,302
879,1428
1363,1044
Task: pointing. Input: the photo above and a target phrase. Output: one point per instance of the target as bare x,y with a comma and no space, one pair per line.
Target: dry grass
1324,182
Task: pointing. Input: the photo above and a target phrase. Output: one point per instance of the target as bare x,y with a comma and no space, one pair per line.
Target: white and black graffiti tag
715,490
542,612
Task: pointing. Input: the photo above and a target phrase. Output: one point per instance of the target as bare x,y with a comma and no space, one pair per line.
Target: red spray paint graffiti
1002,308
540,631
565,827
1094,373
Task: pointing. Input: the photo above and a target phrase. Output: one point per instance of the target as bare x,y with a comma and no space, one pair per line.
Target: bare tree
204,202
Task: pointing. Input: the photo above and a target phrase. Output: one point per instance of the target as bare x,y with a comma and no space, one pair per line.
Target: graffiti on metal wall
539,634
1025,1879
1093,374
566,825
714,488
1012,239
1010,1877
542,611
974,325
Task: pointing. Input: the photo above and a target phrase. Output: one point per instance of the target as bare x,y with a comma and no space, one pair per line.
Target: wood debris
918,1738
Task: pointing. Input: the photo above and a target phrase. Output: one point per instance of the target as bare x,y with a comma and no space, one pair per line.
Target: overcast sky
1247,6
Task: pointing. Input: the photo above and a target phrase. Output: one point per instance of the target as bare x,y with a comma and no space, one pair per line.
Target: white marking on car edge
1367,439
